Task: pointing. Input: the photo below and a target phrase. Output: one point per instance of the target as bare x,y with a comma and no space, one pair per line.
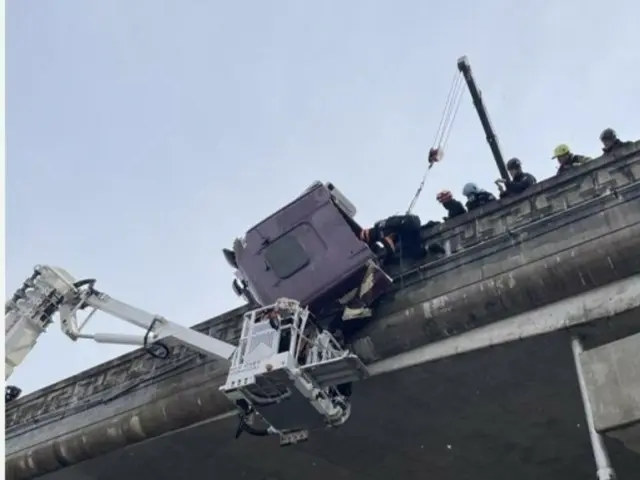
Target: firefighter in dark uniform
394,233
476,197
453,207
519,182
400,235
611,142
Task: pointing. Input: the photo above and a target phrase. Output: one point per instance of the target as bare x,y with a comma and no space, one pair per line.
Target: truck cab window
285,256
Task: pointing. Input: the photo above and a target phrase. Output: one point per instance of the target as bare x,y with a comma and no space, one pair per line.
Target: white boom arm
52,290
285,372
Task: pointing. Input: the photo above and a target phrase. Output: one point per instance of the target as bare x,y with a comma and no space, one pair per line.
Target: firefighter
566,159
11,393
395,230
476,197
519,182
611,142
399,235
454,207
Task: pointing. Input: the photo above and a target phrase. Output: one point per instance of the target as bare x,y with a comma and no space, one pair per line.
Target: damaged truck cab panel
308,250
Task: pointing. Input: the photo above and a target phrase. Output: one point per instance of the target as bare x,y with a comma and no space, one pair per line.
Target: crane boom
481,109
286,372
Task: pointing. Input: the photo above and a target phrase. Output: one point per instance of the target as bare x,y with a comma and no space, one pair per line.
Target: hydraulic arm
286,376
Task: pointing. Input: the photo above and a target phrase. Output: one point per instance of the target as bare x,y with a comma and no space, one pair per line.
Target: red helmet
444,196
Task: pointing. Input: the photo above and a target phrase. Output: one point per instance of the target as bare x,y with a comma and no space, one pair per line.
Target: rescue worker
566,159
431,223
393,238
519,182
454,207
11,392
390,231
399,234
611,142
476,197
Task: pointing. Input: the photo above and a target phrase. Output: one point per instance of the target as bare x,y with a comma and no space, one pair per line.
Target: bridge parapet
549,197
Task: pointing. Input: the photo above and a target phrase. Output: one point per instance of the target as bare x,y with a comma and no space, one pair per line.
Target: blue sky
144,135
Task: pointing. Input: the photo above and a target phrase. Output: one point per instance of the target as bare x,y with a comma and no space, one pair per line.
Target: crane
286,374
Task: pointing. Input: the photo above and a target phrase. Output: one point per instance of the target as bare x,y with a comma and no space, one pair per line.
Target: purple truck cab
308,251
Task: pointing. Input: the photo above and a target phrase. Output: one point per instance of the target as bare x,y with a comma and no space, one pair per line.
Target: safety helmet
444,196
513,164
560,150
608,134
470,189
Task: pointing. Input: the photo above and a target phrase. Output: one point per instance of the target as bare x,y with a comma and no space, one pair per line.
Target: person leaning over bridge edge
476,197
611,142
399,235
519,182
393,232
567,159
454,207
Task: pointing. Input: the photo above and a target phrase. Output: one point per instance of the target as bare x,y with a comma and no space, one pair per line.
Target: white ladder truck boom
286,376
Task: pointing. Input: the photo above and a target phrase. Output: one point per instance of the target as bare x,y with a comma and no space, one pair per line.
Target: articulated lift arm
285,373
52,290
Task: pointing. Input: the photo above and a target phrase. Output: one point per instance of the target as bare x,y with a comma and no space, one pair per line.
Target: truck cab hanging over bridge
311,250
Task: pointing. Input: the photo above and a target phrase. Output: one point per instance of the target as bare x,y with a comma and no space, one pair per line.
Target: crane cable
442,134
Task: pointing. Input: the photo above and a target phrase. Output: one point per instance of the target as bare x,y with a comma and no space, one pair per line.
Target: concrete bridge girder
566,237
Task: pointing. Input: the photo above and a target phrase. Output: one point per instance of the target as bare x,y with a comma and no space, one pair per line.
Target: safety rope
442,134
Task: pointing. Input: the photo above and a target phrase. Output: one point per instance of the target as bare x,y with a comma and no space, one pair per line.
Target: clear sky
144,135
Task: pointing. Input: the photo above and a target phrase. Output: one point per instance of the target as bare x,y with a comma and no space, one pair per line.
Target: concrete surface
612,377
567,236
599,316
509,412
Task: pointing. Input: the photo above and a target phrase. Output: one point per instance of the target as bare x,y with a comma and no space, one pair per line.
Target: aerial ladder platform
286,376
